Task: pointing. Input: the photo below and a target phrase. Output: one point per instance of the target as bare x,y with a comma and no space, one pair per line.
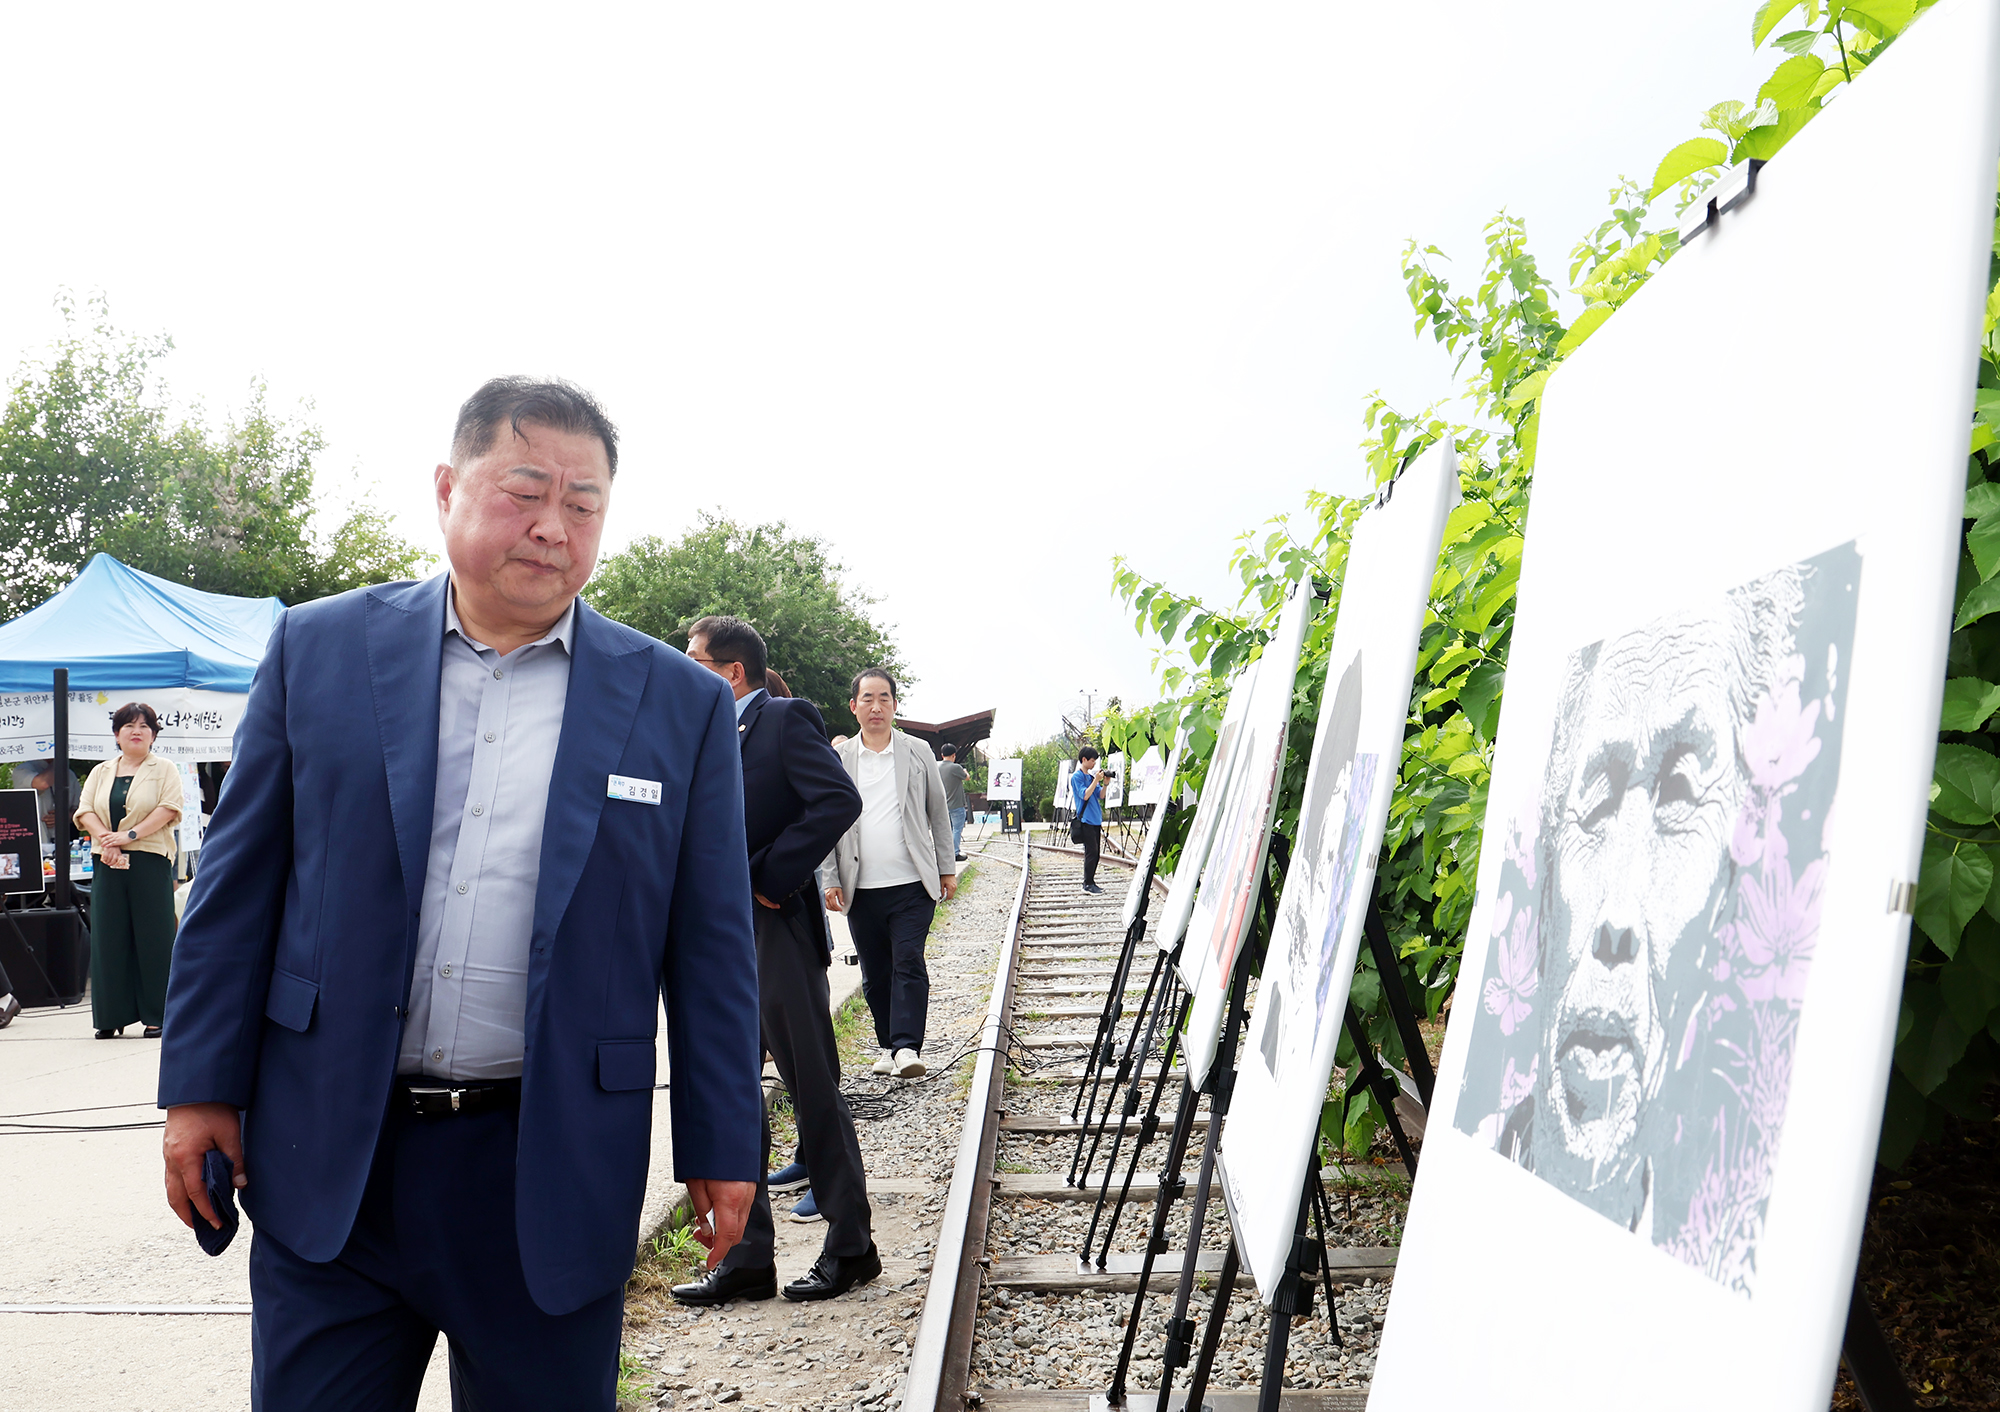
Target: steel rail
941,1353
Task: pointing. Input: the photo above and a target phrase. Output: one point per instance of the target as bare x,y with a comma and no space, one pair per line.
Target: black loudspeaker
46,954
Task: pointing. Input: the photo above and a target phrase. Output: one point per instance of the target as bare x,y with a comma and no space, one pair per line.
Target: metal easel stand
1124,1066
1128,1068
1871,1362
1369,1073
1220,1087
1107,1035
1308,1257
1173,1007
1294,1300
1389,967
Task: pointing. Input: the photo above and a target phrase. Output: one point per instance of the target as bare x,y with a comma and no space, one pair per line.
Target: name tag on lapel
638,791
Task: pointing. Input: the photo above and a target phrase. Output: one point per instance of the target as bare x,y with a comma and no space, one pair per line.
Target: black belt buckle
443,1100
420,1099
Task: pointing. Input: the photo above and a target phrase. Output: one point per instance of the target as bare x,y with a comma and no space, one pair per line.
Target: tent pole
61,788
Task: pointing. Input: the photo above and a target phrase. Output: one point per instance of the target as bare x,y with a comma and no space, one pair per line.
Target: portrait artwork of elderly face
1657,912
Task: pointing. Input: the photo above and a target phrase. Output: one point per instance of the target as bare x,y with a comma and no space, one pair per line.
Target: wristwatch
132,834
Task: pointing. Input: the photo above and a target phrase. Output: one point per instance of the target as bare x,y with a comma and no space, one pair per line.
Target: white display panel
1003,781
1149,849
1704,807
1114,788
1149,778
1207,804
1281,1074
1235,864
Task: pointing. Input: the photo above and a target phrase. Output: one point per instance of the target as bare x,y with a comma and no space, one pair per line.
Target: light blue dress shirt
499,719
743,702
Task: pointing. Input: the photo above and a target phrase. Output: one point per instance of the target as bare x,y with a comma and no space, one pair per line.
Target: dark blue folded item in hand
218,1173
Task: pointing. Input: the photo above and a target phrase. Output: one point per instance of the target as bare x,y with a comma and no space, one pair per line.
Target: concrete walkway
88,1224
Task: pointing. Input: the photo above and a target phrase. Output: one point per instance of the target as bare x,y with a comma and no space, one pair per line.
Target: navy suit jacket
292,969
797,802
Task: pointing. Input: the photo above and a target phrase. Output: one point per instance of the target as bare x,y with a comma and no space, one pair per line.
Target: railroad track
1009,1269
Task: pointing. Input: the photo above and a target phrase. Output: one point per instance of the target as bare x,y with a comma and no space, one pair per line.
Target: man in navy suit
473,832
797,803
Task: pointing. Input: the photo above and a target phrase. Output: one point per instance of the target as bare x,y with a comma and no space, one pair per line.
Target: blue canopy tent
129,636
119,635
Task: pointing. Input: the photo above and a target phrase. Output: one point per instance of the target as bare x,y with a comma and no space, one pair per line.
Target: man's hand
833,899
764,901
720,1211
950,881
193,1128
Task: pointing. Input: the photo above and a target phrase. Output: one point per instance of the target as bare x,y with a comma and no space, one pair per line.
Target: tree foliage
92,460
819,632
1509,332
1038,776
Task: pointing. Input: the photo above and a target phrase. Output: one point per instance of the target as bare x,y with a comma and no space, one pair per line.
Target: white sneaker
886,1065
909,1064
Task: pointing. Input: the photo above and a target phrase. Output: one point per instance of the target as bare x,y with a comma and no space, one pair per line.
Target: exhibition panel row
1661,1088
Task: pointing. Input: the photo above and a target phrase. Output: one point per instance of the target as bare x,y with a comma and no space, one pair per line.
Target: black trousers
433,1250
1093,840
889,925
798,1030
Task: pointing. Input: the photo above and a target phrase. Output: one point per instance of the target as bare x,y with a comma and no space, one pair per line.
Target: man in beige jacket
890,869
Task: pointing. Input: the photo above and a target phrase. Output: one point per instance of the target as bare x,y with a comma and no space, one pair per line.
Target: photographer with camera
1086,787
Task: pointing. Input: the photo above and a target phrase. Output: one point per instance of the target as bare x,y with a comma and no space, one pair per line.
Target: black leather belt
440,1098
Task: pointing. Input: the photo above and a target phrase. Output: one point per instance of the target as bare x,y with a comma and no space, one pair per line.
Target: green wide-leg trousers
131,941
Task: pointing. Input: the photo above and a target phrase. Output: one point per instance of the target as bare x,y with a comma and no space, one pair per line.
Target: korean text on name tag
638,791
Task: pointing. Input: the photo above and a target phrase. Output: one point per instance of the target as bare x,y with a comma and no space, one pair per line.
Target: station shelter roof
962,731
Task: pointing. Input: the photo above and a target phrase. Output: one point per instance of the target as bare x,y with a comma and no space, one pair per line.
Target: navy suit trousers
889,925
798,1030
433,1250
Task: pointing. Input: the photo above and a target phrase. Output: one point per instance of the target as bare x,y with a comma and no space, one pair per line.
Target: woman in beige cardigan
129,807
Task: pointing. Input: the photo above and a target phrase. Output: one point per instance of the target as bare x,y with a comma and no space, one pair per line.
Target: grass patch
672,1258
854,1033
784,1128
634,1378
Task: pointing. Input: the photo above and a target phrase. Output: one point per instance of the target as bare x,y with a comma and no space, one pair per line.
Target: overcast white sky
981,297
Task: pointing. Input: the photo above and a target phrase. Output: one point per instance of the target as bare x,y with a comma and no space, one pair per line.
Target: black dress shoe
111,1034
721,1285
152,1032
9,1008
836,1274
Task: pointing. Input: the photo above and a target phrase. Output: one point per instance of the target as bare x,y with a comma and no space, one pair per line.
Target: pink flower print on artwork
1520,836
1780,741
1746,845
1779,925
1509,993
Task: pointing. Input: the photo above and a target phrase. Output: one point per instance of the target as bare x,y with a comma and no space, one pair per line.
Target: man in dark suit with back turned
797,802
473,832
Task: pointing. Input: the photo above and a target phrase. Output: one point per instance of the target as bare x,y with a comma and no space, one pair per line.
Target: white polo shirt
885,856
